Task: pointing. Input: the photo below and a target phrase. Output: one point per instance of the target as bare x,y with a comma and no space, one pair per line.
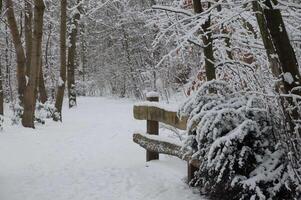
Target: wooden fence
152,142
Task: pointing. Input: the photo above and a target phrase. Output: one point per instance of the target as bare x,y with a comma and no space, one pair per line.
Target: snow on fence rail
155,113
152,142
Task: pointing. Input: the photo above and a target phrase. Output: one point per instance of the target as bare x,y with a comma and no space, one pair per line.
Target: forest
219,79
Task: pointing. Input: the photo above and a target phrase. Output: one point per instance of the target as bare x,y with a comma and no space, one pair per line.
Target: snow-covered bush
44,111
17,112
232,134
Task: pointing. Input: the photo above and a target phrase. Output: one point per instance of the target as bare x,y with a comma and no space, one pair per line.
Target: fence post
190,172
152,127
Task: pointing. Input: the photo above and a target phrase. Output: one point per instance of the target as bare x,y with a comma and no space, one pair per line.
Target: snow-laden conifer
232,134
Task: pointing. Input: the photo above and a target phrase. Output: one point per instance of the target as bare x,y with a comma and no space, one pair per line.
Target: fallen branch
161,145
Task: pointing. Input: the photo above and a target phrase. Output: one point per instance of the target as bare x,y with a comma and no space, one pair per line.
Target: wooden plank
143,112
158,144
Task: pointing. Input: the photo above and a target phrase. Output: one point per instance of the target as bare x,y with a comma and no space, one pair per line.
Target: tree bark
267,41
284,65
208,51
209,60
82,71
7,65
208,42
42,89
28,34
1,79
1,90
28,47
71,57
36,55
20,55
283,47
61,88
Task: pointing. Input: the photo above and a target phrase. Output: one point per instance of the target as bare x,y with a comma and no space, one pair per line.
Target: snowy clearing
89,156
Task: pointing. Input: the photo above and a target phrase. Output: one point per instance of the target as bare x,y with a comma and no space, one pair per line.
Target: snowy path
90,156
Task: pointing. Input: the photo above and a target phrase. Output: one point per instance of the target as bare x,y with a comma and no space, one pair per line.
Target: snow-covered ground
90,156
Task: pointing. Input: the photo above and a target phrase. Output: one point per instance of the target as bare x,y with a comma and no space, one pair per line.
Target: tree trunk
61,88
284,65
71,57
1,91
7,66
82,71
208,51
36,54
1,79
21,61
47,64
28,46
267,41
42,89
283,47
208,42
28,35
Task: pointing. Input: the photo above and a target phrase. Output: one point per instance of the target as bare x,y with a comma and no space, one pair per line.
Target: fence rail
153,113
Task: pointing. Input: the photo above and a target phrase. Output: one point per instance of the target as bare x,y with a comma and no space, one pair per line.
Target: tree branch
174,10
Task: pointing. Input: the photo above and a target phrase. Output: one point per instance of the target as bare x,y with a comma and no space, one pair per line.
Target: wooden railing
152,142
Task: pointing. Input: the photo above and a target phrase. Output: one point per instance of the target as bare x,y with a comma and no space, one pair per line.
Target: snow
61,82
27,80
152,94
168,107
162,139
90,156
288,77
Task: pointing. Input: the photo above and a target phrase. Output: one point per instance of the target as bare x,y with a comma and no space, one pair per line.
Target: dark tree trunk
1,79
1,90
71,58
209,61
36,55
82,73
283,47
28,35
267,41
61,88
208,52
208,42
284,65
42,89
20,55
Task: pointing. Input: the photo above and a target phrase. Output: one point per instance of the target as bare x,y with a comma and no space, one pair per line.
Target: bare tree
61,88
43,97
1,89
71,56
36,54
207,40
28,34
1,79
20,55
